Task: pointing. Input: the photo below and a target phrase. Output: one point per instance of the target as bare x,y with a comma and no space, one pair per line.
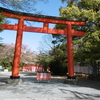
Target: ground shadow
89,83
79,95
31,77
28,73
55,80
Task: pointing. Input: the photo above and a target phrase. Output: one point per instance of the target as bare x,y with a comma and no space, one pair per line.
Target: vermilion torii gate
20,27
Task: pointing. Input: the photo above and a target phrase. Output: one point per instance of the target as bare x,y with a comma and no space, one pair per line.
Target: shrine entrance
20,27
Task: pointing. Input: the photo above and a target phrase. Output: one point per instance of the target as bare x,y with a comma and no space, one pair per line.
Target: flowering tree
7,54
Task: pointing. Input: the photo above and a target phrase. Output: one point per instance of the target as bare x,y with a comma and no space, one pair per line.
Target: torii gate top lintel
41,18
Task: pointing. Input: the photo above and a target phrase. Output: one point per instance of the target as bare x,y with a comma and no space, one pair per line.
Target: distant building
33,68
83,69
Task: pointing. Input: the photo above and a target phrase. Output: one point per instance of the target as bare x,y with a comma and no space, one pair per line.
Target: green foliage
70,2
59,64
9,68
58,68
43,60
89,5
1,22
59,26
56,60
86,49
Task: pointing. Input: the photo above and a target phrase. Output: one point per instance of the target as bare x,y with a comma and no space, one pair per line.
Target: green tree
1,22
55,56
43,60
58,64
87,47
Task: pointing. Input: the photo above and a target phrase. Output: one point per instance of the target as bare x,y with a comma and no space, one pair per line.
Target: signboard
33,68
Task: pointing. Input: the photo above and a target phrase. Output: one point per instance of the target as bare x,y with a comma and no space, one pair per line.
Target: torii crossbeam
20,27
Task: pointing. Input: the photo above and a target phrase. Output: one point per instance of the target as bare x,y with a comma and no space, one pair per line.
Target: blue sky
29,38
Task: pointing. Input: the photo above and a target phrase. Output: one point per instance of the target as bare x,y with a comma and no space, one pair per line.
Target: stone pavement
55,90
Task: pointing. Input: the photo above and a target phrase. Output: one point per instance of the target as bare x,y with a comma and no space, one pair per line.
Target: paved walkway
55,90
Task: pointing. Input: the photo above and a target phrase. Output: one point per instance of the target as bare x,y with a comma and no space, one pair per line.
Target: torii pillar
70,52
17,53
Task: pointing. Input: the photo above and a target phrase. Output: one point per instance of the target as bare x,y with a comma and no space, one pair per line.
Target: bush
58,69
9,68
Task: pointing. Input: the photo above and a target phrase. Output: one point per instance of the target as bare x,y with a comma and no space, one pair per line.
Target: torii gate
20,27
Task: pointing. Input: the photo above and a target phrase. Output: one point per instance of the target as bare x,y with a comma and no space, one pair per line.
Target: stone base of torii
14,81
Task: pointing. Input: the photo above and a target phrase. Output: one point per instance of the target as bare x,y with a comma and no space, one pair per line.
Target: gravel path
55,90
